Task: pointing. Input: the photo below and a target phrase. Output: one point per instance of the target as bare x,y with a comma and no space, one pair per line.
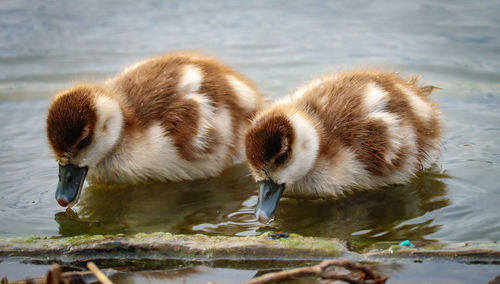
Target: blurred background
46,46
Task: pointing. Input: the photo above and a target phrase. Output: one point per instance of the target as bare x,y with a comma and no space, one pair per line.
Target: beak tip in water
71,179
62,202
262,217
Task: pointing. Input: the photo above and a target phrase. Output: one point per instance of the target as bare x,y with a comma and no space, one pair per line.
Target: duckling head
281,148
83,125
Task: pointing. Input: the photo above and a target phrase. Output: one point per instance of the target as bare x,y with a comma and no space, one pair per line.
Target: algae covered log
166,246
170,246
468,251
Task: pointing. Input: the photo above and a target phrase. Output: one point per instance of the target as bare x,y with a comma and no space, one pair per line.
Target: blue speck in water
407,243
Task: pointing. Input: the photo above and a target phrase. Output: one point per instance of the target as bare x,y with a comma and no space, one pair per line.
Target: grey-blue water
47,45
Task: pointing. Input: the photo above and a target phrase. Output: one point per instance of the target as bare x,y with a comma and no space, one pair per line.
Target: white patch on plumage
398,135
304,150
330,179
247,97
375,99
190,79
132,164
375,102
410,164
346,170
107,131
206,119
223,123
392,122
420,107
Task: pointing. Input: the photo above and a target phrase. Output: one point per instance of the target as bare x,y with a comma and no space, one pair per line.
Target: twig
98,273
54,274
320,269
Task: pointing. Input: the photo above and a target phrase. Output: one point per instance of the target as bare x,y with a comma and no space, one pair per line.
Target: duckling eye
281,158
84,143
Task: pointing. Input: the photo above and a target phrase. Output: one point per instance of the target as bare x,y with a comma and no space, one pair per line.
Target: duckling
180,116
359,129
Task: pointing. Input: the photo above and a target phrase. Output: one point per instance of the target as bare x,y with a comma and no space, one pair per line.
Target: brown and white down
361,129
181,116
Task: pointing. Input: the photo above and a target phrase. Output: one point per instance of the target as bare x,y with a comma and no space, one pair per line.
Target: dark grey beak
70,184
269,196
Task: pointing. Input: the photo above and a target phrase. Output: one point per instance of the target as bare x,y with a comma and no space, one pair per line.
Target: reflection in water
197,274
224,205
408,273
168,207
375,215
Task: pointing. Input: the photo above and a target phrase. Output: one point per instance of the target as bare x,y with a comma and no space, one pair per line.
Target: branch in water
366,274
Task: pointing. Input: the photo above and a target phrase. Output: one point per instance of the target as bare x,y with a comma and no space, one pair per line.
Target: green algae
172,246
25,240
203,248
84,239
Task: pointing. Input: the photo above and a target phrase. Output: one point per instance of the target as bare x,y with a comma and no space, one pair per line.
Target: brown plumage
358,129
79,112
179,116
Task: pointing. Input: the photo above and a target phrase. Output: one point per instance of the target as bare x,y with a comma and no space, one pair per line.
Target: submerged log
166,246
169,246
161,250
365,275
463,251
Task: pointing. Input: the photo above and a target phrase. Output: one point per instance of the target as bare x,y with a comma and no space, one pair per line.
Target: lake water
201,273
46,45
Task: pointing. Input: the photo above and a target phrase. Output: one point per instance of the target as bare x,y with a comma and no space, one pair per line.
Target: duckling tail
424,90
427,90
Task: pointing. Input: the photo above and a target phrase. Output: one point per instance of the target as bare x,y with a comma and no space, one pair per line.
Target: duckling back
375,129
187,114
180,116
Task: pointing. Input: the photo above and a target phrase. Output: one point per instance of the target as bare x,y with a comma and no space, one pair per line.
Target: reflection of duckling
175,117
362,129
378,215
219,204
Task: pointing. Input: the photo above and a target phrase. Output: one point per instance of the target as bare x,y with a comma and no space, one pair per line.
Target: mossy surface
202,248
170,246
467,251
84,239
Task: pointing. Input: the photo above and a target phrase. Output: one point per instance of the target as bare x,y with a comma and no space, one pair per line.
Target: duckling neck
108,129
305,148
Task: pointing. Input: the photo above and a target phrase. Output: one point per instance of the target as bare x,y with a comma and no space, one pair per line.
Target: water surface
406,272
45,46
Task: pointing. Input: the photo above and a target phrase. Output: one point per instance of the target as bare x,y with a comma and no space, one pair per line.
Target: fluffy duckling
359,129
176,117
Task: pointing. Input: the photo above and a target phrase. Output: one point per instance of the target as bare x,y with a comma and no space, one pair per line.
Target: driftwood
321,269
98,273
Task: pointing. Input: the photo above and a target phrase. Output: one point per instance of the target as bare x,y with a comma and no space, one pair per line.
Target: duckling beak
70,184
269,196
